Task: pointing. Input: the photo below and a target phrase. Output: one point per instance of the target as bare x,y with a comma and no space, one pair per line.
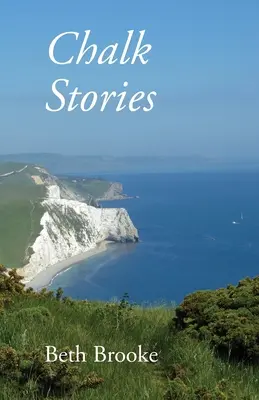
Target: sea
197,231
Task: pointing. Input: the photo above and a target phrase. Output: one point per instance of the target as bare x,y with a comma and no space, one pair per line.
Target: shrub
10,281
228,318
10,284
183,390
31,372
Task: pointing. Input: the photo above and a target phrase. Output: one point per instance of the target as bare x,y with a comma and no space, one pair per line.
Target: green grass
93,187
123,329
20,215
10,166
14,167
19,227
21,192
88,325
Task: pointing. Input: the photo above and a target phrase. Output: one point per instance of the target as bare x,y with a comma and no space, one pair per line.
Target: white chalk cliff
71,227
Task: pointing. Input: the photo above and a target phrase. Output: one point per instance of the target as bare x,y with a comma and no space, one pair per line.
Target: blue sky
204,66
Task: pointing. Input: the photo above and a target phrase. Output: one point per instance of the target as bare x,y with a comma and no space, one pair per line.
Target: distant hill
62,164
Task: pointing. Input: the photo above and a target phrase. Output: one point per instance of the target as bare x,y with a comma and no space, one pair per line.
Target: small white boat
235,223
242,217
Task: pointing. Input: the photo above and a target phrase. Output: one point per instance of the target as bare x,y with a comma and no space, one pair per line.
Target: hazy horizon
107,155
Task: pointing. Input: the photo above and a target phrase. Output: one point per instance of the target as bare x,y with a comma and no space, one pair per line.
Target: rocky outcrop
71,227
115,192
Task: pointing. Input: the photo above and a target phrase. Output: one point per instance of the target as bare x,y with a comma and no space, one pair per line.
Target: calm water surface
188,240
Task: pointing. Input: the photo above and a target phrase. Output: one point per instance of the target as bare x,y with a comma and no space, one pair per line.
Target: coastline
119,197
44,278
115,192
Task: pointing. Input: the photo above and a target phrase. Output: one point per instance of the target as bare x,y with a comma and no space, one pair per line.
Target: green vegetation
228,318
189,367
19,227
20,213
86,186
10,166
22,189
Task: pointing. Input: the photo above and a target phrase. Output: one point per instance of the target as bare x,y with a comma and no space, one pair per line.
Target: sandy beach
44,278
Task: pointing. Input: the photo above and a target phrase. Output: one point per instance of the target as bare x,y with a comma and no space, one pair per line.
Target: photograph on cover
129,200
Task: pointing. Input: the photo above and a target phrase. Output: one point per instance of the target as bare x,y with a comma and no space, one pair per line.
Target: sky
204,66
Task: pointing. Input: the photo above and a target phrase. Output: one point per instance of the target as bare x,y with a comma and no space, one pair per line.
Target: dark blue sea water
188,240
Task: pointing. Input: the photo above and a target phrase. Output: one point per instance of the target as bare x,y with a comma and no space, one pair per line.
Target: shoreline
119,197
44,278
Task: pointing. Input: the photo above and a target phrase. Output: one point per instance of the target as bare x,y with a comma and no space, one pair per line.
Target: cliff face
56,220
71,227
115,192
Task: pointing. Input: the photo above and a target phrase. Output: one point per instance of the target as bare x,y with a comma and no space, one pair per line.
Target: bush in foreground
228,318
187,370
31,372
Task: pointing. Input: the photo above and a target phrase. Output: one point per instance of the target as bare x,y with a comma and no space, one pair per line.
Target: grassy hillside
19,228
22,189
20,212
10,166
189,368
87,186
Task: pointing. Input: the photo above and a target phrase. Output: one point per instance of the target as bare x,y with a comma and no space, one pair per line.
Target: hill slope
187,368
43,220
20,211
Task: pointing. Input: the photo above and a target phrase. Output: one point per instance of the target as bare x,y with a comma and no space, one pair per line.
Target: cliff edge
57,223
